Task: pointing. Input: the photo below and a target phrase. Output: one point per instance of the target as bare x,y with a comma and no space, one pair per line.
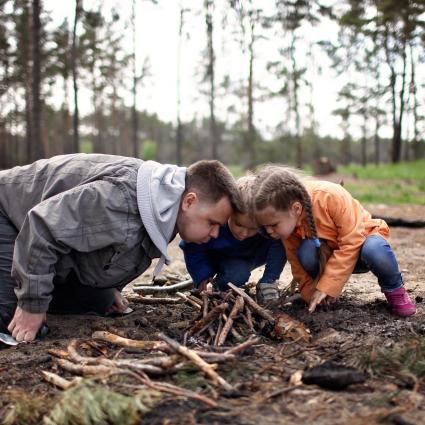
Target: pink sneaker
400,302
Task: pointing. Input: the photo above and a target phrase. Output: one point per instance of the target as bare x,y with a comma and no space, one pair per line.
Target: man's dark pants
69,298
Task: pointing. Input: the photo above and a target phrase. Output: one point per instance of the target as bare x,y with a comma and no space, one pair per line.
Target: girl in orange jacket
328,235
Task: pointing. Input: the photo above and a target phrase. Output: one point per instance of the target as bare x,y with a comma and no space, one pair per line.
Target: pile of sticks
222,314
227,313
165,356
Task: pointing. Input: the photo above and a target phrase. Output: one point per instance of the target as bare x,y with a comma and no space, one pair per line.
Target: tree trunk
134,116
179,130
209,5
74,66
397,118
25,48
67,146
251,128
364,140
414,92
298,140
37,142
377,141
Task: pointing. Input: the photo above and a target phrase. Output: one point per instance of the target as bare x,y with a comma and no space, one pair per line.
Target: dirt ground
343,333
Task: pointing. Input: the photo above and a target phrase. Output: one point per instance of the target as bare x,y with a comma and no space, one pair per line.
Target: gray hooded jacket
103,217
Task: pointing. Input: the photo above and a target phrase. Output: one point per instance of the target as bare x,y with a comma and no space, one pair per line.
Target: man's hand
120,304
316,299
24,325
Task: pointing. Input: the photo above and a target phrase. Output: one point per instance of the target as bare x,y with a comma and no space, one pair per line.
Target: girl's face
280,224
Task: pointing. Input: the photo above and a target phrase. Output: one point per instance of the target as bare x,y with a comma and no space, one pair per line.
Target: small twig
60,382
188,300
236,334
171,389
84,370
198,361
259,310
118,363
215,357
212,315
129,343
219,329
196,300
154,300
205,303
146,289
238,348
62,354
238,306
248,317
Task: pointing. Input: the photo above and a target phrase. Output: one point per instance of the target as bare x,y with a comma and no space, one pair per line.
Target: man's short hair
212,181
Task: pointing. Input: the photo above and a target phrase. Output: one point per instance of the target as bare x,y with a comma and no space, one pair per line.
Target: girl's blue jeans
375,256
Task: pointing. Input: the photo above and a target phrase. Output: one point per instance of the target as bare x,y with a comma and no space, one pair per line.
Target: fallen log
401,222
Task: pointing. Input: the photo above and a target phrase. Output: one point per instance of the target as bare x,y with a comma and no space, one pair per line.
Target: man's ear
189,199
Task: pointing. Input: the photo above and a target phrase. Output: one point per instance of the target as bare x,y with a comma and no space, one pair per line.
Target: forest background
246,82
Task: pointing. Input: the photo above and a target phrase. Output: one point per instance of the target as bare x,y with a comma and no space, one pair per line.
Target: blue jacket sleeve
197,261
276,260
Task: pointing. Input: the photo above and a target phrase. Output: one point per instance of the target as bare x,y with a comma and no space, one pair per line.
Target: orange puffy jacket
344,224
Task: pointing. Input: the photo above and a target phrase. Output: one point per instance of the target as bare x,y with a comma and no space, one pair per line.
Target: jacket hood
159,190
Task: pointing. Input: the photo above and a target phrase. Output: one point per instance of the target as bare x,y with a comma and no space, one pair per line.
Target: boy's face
242,226
199,221
280,224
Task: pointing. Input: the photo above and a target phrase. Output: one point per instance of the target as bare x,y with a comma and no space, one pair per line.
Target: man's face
199,221
242,226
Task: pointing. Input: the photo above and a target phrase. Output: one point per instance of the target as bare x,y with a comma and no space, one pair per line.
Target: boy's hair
245,185
212,181
280,186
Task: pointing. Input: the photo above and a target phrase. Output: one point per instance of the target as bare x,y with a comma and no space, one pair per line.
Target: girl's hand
316,299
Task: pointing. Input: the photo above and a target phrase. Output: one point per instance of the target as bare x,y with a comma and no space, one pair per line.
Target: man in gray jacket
75,229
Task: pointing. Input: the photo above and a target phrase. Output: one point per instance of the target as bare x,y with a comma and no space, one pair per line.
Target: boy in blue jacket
238,248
